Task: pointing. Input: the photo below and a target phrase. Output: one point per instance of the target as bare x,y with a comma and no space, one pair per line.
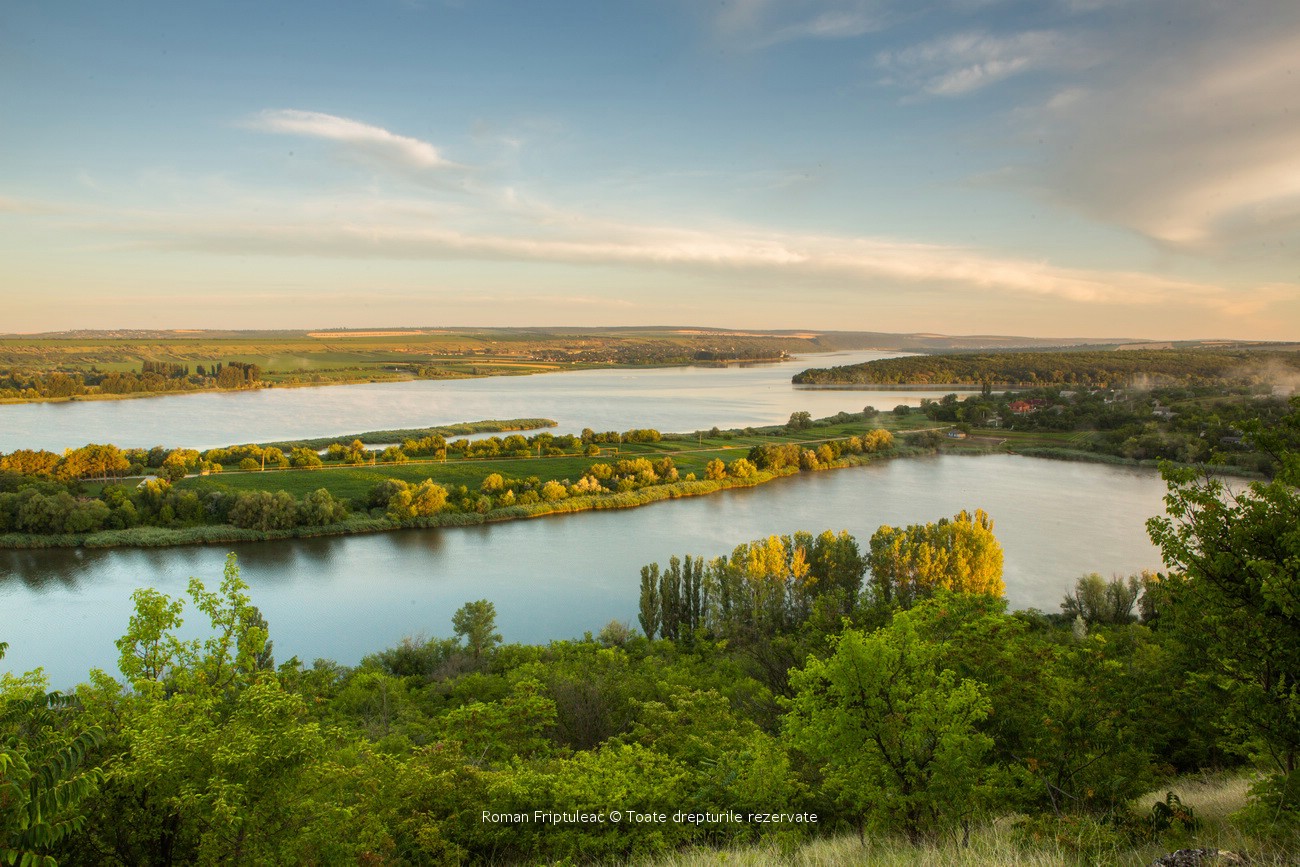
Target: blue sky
1054,167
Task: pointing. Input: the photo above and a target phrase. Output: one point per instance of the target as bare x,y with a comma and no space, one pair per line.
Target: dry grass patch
993,844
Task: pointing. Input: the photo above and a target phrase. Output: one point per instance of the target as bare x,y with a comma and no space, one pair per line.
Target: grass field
464,352
690,455
301,358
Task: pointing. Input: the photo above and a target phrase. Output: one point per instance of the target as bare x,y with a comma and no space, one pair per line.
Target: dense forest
803,686
1126,369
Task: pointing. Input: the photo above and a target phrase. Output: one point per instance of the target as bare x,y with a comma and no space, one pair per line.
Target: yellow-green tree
959,554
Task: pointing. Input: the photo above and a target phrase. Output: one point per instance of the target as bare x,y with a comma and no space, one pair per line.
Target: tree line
42,493
153,376
1205,424
1113,369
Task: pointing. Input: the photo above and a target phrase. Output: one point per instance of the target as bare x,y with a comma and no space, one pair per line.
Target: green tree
262,510
741,468
894,734
393,455
428,498
1099,601
43,781
211,756
1235,593
650,606
553,490
498,731
319,508
476,624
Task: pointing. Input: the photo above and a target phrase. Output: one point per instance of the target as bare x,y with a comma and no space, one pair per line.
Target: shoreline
373,380
212,534
903,386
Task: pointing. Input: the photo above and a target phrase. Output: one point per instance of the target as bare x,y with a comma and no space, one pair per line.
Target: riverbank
97,397
370,378
1056,454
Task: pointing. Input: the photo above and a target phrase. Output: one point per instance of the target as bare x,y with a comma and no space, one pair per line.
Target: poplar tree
649,615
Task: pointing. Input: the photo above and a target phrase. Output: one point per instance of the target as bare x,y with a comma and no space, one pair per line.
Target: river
553,577
667,399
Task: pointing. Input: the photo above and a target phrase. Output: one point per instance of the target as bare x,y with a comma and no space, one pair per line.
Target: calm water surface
559,576
668,399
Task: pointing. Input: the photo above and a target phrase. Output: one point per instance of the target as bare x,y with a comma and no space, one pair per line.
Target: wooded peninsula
1135,368
103,496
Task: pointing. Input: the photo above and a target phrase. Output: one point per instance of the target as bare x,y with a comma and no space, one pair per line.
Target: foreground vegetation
776,700
424,480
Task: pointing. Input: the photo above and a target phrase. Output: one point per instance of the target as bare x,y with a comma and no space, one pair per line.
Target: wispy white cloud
1201,154
764,23
965,62
872,264
375,141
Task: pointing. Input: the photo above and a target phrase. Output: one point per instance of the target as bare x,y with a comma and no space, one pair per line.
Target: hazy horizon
381,329
1056,169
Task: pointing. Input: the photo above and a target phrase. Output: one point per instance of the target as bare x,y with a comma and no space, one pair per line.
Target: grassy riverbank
1070,446
334,486
162,537
473,490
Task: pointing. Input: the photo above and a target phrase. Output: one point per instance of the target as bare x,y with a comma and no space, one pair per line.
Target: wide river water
679,399
553,577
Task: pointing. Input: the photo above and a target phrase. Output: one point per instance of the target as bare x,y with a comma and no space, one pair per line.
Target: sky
1030,167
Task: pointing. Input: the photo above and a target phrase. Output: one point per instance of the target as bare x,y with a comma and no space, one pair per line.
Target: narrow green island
103,496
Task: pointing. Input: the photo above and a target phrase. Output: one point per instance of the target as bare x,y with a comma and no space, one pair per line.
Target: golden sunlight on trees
912,562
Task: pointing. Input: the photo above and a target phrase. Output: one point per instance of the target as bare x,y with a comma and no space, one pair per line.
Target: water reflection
39,570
